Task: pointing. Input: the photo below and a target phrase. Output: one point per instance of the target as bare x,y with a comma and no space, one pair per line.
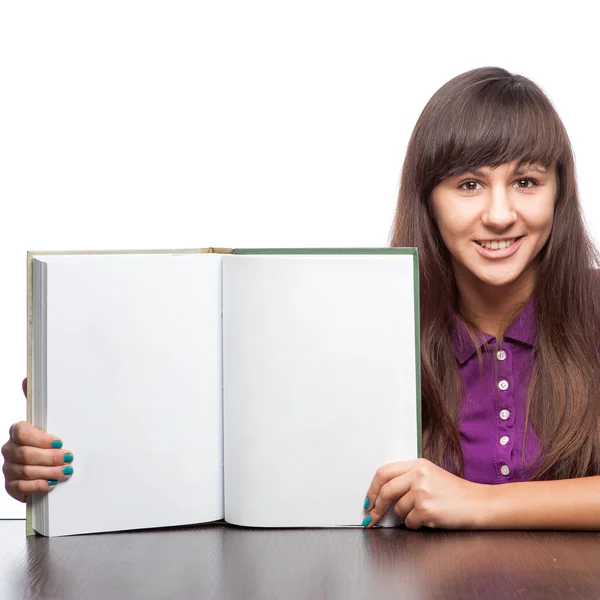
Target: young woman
510,322
510,317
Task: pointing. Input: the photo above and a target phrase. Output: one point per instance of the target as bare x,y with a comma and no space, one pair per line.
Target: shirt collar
522,330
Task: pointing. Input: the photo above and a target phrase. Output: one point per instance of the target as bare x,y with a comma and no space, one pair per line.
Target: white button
504,414
504,470
504,439
503,384
501,355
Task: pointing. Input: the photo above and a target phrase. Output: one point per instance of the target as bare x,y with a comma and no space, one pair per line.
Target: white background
235,123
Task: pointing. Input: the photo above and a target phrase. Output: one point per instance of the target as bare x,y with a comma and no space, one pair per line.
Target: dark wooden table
229,563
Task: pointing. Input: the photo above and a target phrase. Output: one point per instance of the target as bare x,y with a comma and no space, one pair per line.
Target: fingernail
68,470
68,457
57,444
53,482
366,503
367,520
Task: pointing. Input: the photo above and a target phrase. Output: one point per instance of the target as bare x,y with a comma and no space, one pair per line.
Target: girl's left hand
424,494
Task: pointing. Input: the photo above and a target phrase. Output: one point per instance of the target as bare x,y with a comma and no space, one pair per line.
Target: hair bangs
495,124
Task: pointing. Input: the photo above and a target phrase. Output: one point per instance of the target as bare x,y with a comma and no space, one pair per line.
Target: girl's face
495,221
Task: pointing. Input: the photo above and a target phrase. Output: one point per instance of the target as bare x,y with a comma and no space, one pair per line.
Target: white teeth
494,245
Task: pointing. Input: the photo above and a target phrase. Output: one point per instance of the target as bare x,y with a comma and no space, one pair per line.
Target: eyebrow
517,171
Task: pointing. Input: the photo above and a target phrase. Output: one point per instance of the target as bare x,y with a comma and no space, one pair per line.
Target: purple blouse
492,413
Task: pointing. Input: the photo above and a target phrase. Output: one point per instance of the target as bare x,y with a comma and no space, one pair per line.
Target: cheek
454,223
453,230
541,220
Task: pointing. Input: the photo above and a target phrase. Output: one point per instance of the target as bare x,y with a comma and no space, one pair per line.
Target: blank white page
319,383
134,389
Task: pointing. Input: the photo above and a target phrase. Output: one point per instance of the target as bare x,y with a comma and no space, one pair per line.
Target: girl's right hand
34,461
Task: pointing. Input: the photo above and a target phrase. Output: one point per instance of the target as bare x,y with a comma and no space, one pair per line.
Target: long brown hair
489,117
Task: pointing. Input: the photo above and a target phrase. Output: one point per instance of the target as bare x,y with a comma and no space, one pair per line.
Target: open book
260,387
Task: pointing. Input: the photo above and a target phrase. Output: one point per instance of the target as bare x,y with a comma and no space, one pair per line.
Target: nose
498,212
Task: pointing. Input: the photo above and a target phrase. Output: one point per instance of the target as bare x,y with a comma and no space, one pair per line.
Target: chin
496,276
498,283
500,280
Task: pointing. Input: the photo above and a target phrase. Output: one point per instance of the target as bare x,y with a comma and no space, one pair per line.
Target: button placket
504,404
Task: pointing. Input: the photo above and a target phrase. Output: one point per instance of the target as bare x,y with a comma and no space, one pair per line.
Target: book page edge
208,250
29,507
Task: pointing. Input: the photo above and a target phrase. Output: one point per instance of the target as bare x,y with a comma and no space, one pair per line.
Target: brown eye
469,186
525,183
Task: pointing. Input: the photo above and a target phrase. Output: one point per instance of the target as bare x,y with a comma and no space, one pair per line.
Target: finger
24,386
21,488
414,519
25,434
382,476
388,495
27,455
33,472
405,505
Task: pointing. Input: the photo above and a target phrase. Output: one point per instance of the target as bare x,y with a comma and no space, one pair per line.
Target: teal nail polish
366,503
68,470
68,458
367,520
57,444
53,482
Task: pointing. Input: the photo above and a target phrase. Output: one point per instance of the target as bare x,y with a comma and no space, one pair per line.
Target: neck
492,308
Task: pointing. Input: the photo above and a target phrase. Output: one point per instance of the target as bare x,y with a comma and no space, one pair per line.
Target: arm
423,494
563,504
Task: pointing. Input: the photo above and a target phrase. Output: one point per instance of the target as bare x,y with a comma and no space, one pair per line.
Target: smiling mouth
497,244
